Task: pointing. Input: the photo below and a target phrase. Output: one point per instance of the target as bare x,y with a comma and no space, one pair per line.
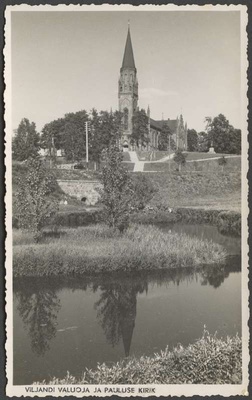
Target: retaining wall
81,189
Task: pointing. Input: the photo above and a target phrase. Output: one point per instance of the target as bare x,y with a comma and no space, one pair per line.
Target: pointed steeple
128,58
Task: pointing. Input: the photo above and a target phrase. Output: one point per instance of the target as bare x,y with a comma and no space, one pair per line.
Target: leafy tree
26,143
222,161
33,203
192,140
235,144
203,142
51,137
117,194
140,133
179,158
74,136
106,130
224,137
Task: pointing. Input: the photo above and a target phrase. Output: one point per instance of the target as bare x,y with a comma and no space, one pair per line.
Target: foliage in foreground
117,192
32,202
96,249
208,361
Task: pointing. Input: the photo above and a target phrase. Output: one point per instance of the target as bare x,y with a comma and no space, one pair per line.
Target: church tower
127,91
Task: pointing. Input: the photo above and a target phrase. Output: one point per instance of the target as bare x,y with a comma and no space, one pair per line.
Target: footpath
139,165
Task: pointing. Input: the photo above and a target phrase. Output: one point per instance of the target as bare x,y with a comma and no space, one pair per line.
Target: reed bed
98,248
210,360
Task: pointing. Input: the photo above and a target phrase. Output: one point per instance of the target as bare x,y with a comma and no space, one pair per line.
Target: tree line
219,134
106,128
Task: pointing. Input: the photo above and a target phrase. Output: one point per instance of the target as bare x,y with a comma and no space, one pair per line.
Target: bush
144,190
33,201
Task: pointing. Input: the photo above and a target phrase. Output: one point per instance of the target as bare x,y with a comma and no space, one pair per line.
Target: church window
125,118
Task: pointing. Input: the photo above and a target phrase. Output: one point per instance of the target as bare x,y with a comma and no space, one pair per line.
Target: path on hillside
138,165
212,158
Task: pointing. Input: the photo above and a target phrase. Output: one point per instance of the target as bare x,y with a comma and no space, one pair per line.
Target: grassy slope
208,361
96,248
210,189
205,190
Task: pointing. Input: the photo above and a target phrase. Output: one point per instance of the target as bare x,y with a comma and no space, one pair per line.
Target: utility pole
169,153
87,130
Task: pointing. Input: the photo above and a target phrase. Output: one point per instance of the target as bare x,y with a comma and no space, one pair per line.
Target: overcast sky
69,61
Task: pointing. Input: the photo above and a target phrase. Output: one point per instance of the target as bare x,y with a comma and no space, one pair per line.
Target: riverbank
227,222
96,248
209,360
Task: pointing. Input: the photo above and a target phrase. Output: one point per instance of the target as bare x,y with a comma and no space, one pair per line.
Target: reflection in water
38,308
38,302
116,310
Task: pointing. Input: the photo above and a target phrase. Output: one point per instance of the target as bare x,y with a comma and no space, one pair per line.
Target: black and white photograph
126,200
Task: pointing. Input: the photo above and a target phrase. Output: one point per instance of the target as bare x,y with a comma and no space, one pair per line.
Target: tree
222,161
163,139
51,137
225,138
203,142
117,194
74,135
106,130
179,158
26,143
140,132
192,140
34,202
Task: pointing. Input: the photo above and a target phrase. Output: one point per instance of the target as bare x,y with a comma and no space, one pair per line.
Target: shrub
144,190
222,161
179,158
32,202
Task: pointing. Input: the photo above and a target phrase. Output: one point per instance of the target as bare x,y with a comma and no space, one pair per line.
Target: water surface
68,324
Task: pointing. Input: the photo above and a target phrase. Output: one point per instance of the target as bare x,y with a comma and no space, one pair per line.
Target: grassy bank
96,249
208,361
220,191
227,222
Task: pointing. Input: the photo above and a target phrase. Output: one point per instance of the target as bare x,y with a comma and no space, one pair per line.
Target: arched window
125,118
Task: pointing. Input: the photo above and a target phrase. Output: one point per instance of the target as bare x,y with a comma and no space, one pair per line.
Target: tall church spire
128,58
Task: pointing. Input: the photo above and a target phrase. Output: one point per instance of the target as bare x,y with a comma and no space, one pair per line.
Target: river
67,324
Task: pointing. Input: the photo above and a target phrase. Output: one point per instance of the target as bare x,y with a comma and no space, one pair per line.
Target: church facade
128,105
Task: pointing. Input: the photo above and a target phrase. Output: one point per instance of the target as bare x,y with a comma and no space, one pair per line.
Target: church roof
172,123
156,124
128,58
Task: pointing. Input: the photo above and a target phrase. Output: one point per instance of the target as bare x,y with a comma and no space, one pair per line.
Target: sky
187,61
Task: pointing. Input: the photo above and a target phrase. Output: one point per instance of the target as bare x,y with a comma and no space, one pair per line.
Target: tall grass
97,248
208,361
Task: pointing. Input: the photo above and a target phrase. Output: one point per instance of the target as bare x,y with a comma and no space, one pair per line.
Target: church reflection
116,310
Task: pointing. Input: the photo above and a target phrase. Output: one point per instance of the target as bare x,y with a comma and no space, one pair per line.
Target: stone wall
81,189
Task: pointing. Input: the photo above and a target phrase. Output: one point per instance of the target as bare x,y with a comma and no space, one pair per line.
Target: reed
97,248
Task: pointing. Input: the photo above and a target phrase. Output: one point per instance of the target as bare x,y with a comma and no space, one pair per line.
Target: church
128,105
